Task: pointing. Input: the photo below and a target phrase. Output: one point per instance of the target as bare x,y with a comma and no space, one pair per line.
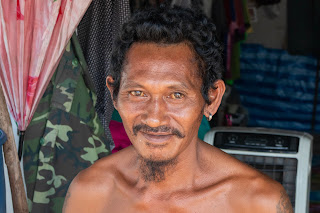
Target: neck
176,174
156,171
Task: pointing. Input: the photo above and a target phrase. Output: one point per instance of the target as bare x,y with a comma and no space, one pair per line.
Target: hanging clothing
119,135
181,3
96,33
140,4
266,2
65,135
303,29
207,6
236,16
218,16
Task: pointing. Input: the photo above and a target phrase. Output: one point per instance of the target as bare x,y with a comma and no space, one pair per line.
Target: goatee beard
155,171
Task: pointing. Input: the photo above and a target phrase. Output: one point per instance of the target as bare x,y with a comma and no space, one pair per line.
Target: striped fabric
277,88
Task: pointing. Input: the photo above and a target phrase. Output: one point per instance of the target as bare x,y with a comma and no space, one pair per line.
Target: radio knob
232,139
279,142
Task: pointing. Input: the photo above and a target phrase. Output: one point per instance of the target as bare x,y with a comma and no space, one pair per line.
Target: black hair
165,25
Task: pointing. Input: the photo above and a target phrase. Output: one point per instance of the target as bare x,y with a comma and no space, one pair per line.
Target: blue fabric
277,88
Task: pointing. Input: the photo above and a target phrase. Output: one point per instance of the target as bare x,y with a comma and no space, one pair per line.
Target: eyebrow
136,84
132,84
178,86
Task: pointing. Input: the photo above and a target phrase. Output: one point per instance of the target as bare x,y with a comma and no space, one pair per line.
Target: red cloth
119,136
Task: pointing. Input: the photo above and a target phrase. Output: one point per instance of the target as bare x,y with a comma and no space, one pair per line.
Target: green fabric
116,116
65,135
203,129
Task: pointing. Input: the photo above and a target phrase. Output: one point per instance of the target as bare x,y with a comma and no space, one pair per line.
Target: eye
137,93
176,95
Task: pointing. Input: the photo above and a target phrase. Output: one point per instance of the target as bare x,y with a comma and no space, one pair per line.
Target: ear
109,80
215,97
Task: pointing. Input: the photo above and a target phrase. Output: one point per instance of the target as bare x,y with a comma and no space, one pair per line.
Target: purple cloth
119,136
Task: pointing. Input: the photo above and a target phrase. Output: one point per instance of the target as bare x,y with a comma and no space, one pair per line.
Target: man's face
160,100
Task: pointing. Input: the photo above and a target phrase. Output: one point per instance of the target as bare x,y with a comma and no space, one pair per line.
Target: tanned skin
168,169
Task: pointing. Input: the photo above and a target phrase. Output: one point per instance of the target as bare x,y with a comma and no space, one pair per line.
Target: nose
155,113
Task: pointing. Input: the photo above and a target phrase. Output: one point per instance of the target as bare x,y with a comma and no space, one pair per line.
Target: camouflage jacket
64,136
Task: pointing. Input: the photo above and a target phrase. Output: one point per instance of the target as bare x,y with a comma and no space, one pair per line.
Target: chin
154,158
156,155
156,152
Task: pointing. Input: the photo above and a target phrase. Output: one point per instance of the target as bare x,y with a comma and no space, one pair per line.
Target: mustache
164,129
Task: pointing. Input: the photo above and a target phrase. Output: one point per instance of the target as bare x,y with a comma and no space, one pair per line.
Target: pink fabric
33,36
119,136
32,84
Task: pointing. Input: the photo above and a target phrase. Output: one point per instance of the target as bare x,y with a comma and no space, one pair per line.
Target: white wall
270,32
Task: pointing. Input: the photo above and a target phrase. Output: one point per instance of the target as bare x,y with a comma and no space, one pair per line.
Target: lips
157,137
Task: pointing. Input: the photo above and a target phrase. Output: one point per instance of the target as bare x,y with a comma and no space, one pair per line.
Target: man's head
171,26
165,77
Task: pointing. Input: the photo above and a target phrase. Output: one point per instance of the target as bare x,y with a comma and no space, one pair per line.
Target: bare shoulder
91,189
269,196
88,188
283,203
248,190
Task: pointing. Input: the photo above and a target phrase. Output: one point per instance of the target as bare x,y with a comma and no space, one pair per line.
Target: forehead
175,51
161,61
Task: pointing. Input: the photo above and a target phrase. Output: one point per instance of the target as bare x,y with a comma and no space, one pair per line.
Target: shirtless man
166,75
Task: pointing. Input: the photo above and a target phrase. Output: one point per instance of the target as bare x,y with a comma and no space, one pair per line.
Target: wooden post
19,198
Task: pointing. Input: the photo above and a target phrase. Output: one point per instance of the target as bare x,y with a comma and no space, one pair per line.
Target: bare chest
176,203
